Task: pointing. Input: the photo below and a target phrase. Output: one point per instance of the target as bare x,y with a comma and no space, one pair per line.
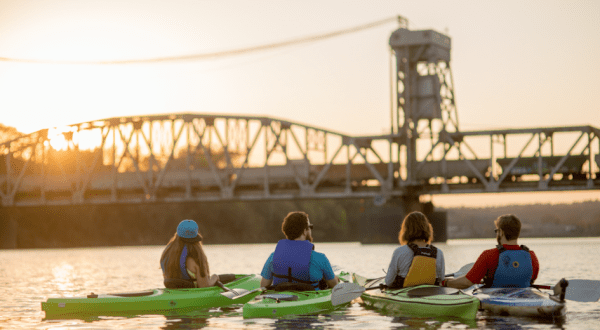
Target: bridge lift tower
426,107
424,111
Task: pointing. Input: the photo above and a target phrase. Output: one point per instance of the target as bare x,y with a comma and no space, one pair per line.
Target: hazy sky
515,63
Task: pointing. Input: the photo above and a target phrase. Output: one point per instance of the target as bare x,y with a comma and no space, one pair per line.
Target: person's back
508,265
415,262
183,261
294,259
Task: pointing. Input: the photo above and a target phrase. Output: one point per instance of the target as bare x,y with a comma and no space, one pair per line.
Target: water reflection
513,322
411,322
185,322
63,274
197,319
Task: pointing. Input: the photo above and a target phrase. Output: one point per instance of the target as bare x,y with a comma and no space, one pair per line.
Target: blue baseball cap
188,231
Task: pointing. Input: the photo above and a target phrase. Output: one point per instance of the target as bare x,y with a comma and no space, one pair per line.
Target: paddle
235,293
346,292
239,293
462,271
576,290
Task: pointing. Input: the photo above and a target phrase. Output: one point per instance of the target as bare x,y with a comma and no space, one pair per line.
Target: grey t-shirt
401,260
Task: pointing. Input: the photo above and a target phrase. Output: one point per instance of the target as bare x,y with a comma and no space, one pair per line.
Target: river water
28,277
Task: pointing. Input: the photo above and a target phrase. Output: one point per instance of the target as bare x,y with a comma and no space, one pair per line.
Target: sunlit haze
515,64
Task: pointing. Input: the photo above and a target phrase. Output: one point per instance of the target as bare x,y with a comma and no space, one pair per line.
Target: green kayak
157,301
422,300
280,303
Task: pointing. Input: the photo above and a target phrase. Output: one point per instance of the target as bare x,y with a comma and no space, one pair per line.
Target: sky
514,63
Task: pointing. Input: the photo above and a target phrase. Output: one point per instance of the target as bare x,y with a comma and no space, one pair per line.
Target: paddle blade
583,290
345,292
240,293
462,271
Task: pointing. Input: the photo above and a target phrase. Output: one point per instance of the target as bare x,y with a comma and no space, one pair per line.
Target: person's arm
332,283
265,282
392,271
201,281
475,275
535,264
440,266
267,272
324,265
458,283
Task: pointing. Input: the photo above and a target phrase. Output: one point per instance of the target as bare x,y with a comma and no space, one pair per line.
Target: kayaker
507,265
183,261
416,261
294,259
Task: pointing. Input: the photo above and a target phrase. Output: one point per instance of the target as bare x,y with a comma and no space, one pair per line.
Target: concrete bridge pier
9,228
381,224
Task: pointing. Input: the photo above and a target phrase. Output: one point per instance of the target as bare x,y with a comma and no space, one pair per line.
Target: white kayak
529,302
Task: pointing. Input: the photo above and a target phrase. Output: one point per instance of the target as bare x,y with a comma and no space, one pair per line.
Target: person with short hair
416,261
294,259
183,261
506,266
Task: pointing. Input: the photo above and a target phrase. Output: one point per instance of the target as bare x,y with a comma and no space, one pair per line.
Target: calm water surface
28,277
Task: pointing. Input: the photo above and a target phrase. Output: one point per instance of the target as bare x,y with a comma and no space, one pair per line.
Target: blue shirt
319,267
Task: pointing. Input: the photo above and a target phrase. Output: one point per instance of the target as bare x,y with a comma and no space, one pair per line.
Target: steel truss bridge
208,157
198,157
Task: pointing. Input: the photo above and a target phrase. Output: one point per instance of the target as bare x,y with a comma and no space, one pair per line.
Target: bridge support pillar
381,224
9,228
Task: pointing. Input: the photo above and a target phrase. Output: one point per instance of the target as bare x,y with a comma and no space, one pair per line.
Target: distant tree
8,133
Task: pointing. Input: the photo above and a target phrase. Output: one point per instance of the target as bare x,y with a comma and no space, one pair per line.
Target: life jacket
291,262
183,272
514,269
422,268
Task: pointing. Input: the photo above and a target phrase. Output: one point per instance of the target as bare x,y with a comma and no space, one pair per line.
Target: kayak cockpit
133,294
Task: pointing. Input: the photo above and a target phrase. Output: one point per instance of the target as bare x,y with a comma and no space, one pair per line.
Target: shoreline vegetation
260,222
580,219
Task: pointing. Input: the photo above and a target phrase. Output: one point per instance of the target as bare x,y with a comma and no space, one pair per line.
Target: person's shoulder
402,248
316,254
490,252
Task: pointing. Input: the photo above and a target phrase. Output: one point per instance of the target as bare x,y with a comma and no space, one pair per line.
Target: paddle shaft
220,285
380,286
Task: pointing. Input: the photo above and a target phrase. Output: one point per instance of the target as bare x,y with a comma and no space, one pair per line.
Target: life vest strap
290,278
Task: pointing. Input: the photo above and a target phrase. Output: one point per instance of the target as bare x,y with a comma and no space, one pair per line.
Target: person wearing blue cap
183,261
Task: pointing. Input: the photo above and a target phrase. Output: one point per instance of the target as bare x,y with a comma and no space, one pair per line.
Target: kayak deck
529,302
157,301
275,304
403,301
272,303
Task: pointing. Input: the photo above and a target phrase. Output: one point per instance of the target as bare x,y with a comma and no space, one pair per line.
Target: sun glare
59,137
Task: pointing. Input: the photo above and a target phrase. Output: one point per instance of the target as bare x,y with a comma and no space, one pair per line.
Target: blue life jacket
514,268
182,264
291,262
